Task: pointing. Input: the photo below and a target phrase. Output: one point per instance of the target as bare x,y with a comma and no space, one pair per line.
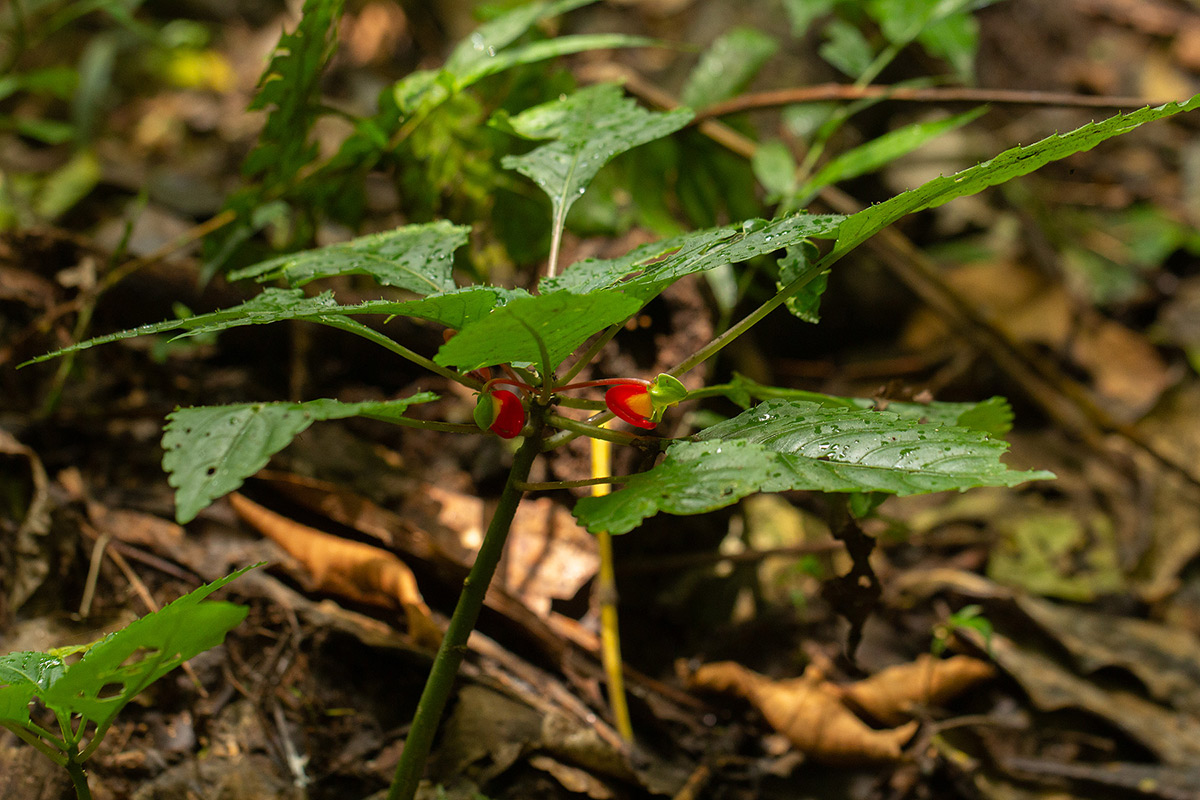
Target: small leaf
806,303
727,66
846,48
23,676
1009,164
589,127
415,257
775,169
209,451
793,445
120,665
647,270
542,330
142,652
290,89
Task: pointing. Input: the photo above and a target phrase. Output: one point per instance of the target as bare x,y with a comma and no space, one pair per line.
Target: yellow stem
606,590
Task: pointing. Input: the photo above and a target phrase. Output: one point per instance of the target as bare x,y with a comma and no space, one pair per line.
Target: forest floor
1083,681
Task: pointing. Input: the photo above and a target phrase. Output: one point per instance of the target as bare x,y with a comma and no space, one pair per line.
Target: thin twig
950,94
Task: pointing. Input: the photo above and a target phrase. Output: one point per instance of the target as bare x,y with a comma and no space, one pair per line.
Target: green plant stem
454,644
33,740
578,428
593,349
372,335
753,318
426,424
78,776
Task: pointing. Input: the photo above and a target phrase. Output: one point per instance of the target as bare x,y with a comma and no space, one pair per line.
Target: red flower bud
501,412
632,403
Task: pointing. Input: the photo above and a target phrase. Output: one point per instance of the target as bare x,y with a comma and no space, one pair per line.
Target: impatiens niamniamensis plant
542,339
80,690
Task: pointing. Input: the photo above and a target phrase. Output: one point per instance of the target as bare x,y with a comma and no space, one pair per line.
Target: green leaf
541,330
290,88
806,303
801,13
1006,166
846,48
209,451
456,309
24,676
589,127
775,169
415,257
787,445
882,150
647,270
727,66
487,51
118,667
993,416
67,185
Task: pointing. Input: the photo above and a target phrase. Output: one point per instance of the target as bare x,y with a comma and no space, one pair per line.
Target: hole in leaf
110,690
210,471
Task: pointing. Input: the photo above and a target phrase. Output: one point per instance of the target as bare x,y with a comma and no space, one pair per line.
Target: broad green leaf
727,66
846,48
784,445
882,150
1008,165
210,450
589,128
419,258
290,89
541,330
647,270
114,670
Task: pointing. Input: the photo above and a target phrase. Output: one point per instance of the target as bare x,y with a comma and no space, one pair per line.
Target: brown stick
949,94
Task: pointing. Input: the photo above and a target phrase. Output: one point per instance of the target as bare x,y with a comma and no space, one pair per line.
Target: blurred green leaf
727,66
775,169
67,185
801,13
846,48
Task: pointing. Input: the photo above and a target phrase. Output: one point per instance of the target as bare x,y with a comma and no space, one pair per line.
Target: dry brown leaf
354,570
809,711
891,695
